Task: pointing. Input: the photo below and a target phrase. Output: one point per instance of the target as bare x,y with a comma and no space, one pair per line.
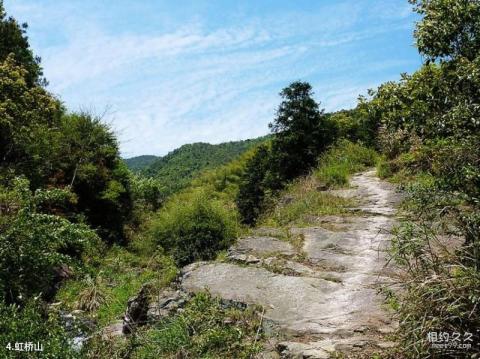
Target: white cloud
201,83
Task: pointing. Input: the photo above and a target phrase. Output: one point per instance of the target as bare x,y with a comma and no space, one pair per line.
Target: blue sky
166,73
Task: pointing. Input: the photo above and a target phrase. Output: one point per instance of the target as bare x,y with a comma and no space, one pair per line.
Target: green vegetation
304,200
205,329
177,169
14,44
104,292
34,245
301,202
140,163
193,227
78,227
341,161
301,133
33,324
253,189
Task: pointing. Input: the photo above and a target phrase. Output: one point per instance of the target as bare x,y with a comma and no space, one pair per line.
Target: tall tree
13,40
302,132
29,123
89,162
448,29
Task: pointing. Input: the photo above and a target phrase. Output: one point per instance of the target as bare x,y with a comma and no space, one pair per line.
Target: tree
449,28
29,122
89,162
35,244
251,192
13,41
301,131
51,148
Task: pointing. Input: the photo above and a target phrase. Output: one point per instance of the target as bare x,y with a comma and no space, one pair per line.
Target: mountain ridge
177,168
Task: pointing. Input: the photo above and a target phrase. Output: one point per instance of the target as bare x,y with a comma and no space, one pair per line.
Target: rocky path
319,286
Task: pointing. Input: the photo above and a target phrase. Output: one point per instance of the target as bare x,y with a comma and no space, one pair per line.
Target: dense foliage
178,168
33,325
252,191
430,135
27,116
63,188
193,227
449,28
89,162
34,246
301,132
14,43
140,163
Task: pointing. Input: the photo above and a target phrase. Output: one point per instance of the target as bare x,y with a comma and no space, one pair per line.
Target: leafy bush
34,245
193,226
27,115
50,148
384,168
147,192
204,330
32,324
342,160
89,162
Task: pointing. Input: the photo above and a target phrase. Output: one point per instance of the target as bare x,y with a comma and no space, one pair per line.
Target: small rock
137,309
168,301
113,330
360,330
386,345
322,187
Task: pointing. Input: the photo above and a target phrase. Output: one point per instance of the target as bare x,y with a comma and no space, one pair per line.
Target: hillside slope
139,163
179,167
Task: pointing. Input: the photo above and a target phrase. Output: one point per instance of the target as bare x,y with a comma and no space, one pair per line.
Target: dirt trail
319,298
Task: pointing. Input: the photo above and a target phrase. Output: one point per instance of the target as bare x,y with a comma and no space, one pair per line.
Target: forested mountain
139,163
175,170
81,235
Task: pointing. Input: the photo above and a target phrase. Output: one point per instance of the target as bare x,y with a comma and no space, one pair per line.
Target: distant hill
139,163
176,169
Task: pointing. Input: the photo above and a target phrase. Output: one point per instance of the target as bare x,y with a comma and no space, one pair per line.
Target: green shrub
384,168
342,160
33,324
300,202
204,330
193,226
147,192
33,245
252,190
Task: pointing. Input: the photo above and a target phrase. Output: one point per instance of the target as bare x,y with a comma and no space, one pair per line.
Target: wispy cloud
206,80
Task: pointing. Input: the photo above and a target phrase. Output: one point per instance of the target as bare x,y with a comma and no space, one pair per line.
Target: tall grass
306,198
206,329
341,161
438,280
